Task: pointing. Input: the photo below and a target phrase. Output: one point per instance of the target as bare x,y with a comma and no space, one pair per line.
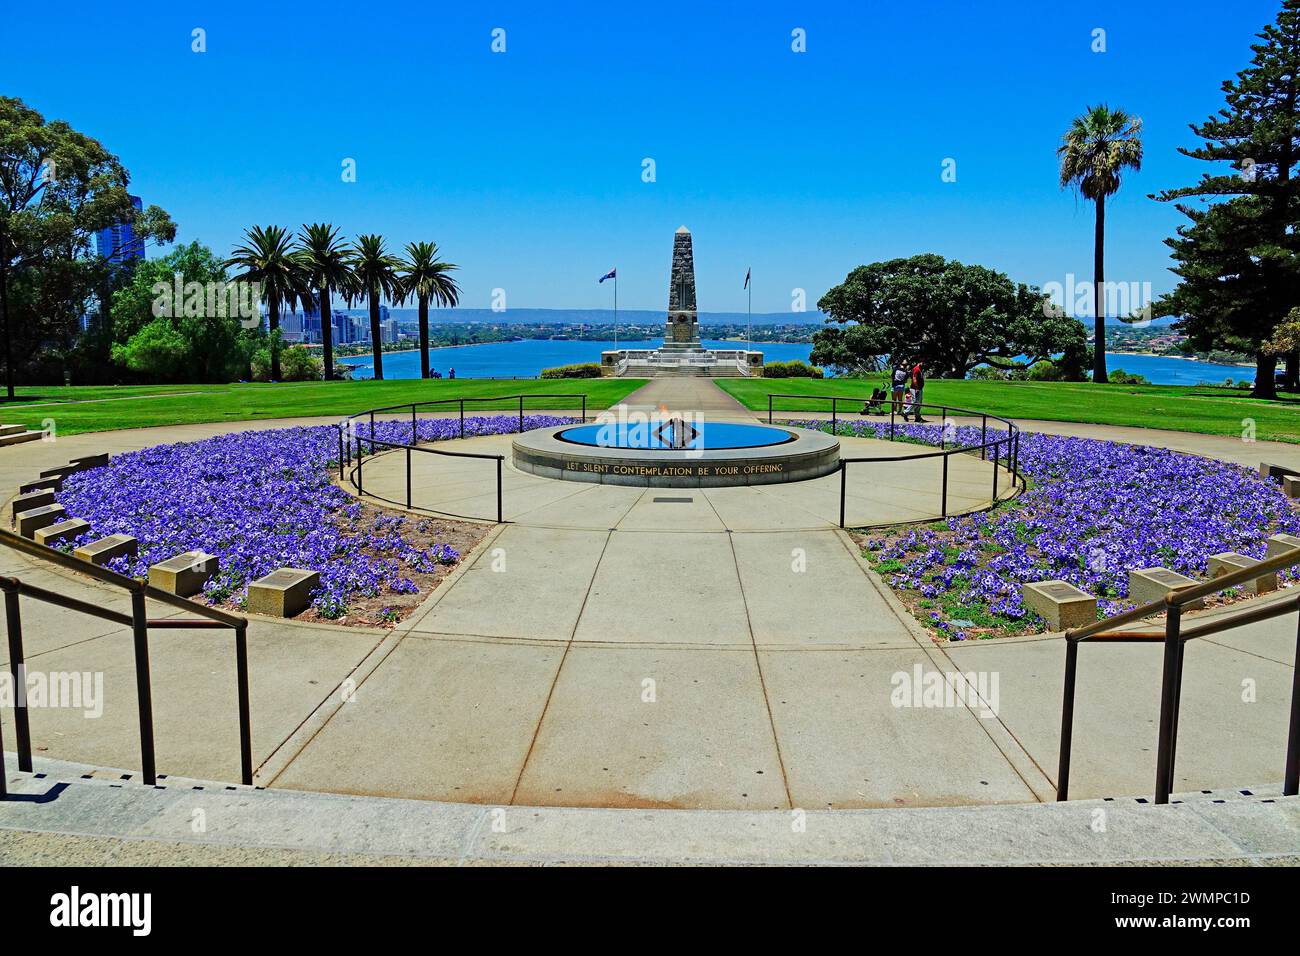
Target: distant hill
593,316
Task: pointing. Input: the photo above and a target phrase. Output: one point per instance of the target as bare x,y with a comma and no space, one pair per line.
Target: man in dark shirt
918,387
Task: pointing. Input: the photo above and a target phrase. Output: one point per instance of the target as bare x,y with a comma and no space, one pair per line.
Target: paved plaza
727,649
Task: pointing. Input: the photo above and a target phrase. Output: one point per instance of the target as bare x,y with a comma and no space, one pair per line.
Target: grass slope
1210,411
78,409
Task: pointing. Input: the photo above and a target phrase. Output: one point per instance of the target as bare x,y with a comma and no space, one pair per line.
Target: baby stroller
876,404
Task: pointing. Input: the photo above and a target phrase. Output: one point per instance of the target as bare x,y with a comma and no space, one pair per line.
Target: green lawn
1212,411
75,409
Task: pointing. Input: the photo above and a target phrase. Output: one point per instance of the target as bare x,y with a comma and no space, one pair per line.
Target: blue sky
526,166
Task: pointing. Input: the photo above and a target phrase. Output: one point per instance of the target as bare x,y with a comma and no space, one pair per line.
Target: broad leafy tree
57,188
951,316
425,276
185,341
327,261
1239,257
1094,153
267,256
375,277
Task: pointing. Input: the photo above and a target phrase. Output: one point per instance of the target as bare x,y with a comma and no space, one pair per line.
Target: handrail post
1291,778
834,417
143,691
521,414
944,506
18,674
844,471
984,438
499,517
408,479
1168,705
340,453
462,418
360,461
584,407
414,433
996,445
892,404
245,718
769,408
943,424
1067,720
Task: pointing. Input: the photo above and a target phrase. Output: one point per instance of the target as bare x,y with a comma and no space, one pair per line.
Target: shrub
792,369
297,364
1121,377
580,370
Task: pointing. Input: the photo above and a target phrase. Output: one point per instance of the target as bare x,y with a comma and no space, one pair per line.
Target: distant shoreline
1185,358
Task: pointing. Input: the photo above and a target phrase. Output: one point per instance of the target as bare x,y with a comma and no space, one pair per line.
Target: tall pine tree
1239,259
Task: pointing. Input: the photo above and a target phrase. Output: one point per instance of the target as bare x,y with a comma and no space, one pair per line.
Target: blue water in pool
650,436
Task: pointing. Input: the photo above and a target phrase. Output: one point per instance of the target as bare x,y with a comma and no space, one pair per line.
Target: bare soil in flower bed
385,610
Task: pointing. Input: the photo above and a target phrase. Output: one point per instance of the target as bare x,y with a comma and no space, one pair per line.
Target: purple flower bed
1095,510
262,500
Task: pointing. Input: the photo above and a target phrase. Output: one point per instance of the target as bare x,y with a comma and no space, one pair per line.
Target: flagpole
616,309
749,321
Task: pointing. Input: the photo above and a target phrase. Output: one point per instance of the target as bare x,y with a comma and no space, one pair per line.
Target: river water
528,357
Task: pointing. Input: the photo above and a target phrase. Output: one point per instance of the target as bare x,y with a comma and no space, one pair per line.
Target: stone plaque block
41,484
1278,472
86,462
63,531
103,550
184,574
282,593
32,499
1060,603
29,522
1282,543
1152,584
1228,562
1291,486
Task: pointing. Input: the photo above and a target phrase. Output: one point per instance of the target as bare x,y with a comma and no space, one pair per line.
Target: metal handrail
14,588
1011,441
1175,638
347,448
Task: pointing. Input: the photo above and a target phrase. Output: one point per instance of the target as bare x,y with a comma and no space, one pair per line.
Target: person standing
918,387
898,384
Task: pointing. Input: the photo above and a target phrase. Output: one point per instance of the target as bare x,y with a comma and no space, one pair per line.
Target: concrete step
66,810
9,436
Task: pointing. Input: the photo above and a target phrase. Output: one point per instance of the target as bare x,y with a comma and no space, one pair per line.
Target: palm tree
325,258
426,277
374,274
1094,153
267,257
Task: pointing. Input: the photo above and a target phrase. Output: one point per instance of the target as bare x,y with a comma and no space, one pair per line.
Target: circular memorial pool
675,435
676,452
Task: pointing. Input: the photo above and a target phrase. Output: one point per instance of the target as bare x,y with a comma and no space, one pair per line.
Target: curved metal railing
352,443
1004,451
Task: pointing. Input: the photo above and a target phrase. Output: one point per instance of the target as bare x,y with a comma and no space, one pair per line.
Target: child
909,399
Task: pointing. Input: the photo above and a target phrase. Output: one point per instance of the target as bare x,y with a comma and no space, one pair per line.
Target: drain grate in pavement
674,501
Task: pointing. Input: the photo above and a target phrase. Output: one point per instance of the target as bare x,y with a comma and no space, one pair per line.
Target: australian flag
746,285
611,274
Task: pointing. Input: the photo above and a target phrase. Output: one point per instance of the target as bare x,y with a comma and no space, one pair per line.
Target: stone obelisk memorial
681,353
682,329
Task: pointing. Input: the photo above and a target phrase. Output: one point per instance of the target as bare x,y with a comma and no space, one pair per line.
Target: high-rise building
118,243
